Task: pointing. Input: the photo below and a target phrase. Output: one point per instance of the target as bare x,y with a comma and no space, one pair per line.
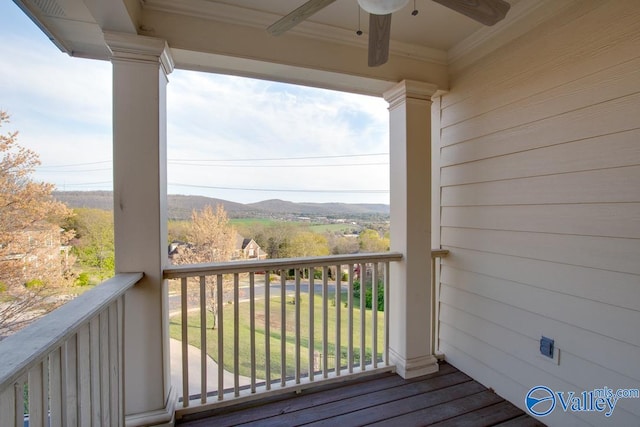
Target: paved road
174,299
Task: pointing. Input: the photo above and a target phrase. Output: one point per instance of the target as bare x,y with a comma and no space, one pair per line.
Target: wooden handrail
24,349
231,267
439,253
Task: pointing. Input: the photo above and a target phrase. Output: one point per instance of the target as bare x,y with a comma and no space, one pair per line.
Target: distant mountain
180,206
86,199
323,209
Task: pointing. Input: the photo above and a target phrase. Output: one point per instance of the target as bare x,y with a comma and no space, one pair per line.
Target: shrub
83,280
34,283
369,294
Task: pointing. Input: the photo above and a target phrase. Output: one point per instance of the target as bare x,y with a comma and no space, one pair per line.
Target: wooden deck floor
446,398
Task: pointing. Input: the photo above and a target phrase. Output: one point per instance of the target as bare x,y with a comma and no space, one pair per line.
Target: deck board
443,411
446,398
521,421
366,402
399,407
487,416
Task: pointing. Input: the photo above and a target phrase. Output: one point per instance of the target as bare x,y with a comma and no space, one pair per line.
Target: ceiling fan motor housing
382,7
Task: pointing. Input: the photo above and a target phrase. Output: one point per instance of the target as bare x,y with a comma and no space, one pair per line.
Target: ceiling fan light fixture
382,7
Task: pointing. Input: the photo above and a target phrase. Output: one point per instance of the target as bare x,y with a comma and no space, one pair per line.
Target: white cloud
62,107
234,118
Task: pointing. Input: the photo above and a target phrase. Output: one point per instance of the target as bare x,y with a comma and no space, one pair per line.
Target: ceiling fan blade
297,16
487,12
379,34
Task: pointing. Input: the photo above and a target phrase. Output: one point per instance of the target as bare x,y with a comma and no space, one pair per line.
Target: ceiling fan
487,12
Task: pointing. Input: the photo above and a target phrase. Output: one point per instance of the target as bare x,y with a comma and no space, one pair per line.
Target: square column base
164,417
416,367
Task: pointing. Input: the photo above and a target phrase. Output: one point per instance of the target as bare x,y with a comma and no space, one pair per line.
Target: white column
410,163
140,69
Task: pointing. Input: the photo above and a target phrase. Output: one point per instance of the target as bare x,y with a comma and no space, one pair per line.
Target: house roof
242,242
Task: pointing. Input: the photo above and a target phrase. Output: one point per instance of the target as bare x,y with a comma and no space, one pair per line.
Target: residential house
177,248
37,251
248,249
244,249
514,147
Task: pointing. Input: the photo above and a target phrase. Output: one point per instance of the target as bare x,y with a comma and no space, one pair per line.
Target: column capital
410,89
132,47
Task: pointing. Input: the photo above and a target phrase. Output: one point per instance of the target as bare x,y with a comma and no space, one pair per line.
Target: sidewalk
194,370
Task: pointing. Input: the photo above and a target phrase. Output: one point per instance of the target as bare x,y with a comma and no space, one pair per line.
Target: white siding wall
540,207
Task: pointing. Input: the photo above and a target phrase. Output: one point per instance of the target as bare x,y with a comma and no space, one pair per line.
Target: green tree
274,238
371,241
308,243
94,242
177,230
32,264
341,244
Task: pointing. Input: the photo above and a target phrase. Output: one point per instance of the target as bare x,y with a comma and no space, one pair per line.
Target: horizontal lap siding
540,207
597,219
587,46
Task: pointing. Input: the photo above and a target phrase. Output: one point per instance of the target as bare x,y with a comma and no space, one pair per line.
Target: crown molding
522,17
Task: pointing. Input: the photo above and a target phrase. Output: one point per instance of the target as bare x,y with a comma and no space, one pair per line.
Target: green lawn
333,228
275,335
251,221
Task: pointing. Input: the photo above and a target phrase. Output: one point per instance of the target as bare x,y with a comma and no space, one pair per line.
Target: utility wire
280,158
76,171
74,164
280,166
225,160
231,166
86,183
287,190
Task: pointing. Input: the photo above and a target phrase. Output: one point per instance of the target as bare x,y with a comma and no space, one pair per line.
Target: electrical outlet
549,351
546,347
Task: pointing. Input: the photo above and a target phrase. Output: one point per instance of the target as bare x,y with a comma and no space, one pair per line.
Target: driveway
194,370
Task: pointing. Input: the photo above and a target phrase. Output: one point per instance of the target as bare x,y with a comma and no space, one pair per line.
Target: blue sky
228,137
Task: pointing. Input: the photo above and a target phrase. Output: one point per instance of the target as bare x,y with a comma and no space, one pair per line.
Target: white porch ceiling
435,26
229,36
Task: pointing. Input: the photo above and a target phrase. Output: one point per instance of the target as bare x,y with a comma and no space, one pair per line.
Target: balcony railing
280,325
66,368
